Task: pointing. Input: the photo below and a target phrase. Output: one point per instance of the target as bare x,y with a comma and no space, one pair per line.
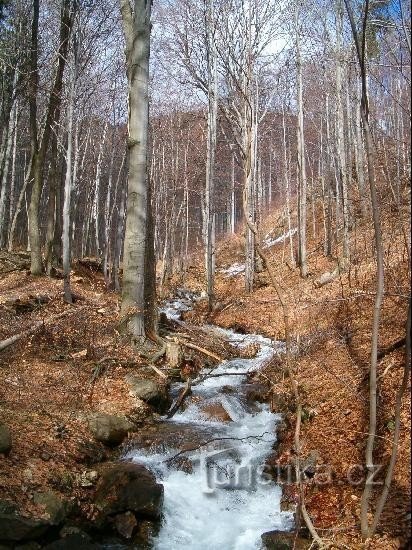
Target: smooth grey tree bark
210,154
136,24
68,177
340,134
301,159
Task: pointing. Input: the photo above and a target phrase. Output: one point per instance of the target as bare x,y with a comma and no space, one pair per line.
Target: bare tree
360,44
40,146
136,25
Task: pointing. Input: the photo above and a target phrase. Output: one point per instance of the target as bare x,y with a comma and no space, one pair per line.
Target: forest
205,262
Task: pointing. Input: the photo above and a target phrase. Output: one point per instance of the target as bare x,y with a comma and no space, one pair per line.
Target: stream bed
216,493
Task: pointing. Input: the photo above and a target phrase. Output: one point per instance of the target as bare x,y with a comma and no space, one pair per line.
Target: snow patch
233,270
269,241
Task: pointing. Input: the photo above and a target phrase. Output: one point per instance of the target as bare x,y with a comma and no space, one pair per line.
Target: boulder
256,392
90,452
110,430
55,506
146,531
282,540
147,390
125,524
216,411
7,507
128,487
5,440
15,528
87,478
78,541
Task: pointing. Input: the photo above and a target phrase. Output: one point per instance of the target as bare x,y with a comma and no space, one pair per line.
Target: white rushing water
226,502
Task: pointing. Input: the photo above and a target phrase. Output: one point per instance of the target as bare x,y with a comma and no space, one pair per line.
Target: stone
125,524
5,440
77,541
162,436
7,507
55,506
108,429
15,528
228,389
256,392
147,530
90,452
283,540
128,487
216,411
308,466
68,530
278,540
28,475
147,390
88,478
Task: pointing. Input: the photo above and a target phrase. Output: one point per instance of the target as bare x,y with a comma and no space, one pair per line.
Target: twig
183,451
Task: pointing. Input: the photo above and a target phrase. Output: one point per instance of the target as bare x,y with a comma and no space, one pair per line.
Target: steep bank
331,326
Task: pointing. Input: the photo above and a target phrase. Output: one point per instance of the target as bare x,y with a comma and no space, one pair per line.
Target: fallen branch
158,371
34,328
398,405
179,401
396,345
183,451
202,350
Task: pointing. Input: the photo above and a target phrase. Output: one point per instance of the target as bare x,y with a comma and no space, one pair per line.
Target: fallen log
34,328
393,347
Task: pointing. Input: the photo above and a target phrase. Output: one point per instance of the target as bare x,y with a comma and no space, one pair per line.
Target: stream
220,498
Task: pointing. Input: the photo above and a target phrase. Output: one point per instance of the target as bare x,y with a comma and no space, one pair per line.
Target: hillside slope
331,327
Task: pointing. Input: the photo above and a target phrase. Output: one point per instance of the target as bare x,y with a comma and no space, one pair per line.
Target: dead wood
34,328
203,350
181,398
389,349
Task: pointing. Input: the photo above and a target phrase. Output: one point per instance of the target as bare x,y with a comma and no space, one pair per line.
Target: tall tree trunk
150,319
210,156
95,211
341,145
301,161
68,180
287,186
360,160
13,172
137,34
52,118
53,178
360,44
233,199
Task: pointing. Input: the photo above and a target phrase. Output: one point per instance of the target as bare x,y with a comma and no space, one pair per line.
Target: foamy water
226,502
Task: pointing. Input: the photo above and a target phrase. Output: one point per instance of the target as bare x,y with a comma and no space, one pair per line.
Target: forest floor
52,379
